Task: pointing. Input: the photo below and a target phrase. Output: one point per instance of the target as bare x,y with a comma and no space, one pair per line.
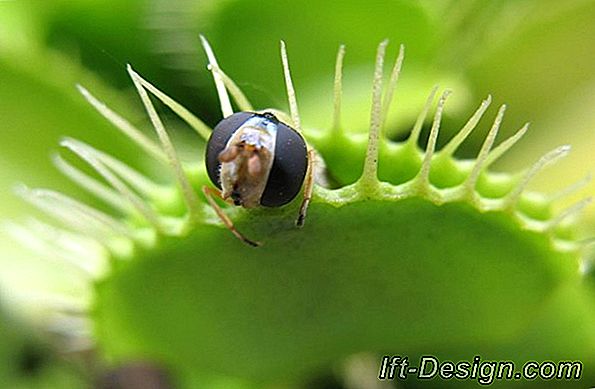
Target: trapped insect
256,160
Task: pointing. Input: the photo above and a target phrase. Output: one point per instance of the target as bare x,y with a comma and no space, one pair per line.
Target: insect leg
209,193
308,187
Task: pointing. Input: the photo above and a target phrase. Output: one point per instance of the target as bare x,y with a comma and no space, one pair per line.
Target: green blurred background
538,56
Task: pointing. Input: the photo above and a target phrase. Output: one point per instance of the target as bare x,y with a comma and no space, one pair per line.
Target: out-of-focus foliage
27,362
39,104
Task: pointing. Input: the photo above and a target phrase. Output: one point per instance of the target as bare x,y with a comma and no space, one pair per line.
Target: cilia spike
424,172
370,176
484,151
338,89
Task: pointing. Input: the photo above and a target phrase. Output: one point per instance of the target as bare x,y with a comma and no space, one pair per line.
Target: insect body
257,160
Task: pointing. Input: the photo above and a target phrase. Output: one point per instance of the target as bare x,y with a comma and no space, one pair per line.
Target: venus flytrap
415,249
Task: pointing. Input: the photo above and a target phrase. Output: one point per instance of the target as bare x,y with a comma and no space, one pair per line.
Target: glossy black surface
289,168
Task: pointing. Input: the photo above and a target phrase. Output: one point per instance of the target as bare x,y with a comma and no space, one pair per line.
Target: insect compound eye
289,168
221,134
